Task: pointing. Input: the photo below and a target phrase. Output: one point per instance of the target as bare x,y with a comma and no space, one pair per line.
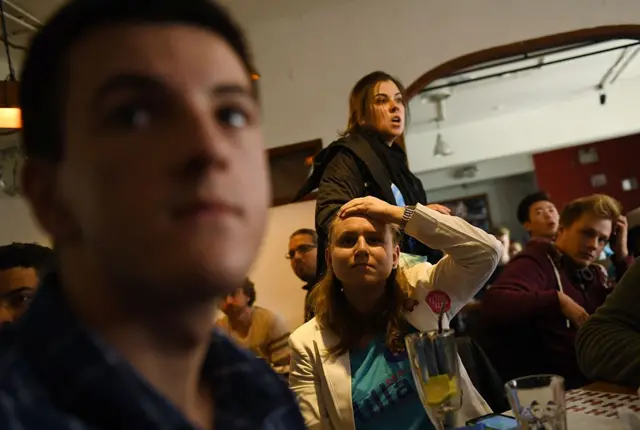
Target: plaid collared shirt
56,374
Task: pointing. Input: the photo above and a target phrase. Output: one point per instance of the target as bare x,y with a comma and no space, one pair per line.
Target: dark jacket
349,168
525,332
608,345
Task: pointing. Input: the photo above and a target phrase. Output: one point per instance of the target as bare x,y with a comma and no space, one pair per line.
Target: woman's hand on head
372,208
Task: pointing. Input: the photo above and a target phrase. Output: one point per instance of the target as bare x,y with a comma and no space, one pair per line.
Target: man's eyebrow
232,89
127,81
138,82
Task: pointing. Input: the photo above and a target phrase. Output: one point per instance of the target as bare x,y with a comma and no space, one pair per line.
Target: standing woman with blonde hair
367,160
349,366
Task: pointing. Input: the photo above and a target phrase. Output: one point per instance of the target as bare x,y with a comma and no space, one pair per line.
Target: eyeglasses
302,249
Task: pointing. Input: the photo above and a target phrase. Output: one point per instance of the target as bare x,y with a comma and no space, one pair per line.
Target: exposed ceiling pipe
624,66
611,69
23,12
522,69
21,22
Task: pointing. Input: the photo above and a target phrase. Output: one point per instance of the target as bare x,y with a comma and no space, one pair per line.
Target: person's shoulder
306,331
264,315
537,249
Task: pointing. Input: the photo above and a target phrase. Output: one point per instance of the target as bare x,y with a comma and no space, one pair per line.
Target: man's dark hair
526,203
26,255
44,80
307,231
249,290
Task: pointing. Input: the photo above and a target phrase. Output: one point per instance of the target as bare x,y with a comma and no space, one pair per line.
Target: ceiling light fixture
10,114
442,148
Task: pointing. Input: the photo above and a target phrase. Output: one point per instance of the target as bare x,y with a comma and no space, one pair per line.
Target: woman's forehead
388,88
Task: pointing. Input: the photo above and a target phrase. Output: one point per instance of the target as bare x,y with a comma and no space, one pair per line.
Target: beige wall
17,225
277,287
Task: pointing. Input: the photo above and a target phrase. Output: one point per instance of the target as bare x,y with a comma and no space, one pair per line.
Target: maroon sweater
524,330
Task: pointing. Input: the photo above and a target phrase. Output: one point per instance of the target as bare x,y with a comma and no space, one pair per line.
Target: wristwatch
406,216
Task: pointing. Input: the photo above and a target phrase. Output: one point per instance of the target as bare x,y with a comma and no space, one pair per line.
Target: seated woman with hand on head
349,367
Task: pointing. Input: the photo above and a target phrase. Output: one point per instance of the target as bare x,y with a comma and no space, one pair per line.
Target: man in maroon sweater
532,312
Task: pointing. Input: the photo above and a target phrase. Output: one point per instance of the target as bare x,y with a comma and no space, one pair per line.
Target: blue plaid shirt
55,374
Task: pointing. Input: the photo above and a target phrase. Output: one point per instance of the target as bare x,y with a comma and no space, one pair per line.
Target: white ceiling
246,11
528,89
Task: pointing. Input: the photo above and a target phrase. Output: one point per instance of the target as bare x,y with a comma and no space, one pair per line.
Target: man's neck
241,322
167,347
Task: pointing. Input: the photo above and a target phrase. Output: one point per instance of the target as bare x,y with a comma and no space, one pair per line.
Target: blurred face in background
303,255
543,220
514,249
235,303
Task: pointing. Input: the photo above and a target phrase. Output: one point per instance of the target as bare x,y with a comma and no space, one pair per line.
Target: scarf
395,160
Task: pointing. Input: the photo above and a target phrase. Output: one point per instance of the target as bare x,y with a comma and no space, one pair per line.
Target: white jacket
323,383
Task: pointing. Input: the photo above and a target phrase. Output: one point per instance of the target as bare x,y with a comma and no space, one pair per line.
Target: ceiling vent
466,172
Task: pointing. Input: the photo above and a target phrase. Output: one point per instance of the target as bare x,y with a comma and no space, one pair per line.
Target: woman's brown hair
361,100
333,311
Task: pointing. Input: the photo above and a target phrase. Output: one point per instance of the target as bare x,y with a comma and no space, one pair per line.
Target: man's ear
40,188
527,226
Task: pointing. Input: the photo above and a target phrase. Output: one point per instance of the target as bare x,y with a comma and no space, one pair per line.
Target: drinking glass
433,356
538,402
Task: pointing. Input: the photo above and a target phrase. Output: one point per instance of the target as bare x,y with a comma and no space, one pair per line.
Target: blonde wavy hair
333,311
600,205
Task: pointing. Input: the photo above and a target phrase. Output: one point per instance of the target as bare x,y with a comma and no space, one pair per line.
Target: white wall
574,121
488,169
277,287
309,59
503,195
17,224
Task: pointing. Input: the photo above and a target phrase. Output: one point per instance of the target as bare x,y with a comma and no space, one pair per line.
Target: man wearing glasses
303,254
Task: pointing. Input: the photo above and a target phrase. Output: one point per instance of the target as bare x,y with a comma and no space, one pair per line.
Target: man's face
164,178
17,288
303,254
235,303
543,220
585,239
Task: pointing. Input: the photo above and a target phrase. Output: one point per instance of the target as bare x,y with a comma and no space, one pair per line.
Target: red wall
560,173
